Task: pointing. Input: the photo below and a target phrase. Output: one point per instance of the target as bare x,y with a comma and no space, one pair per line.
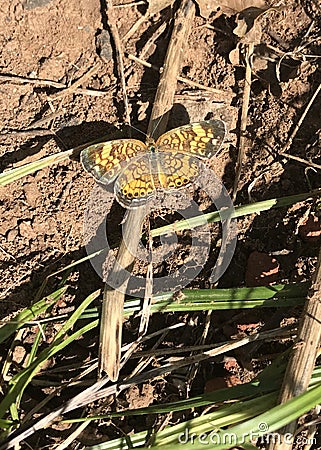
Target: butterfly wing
202,139
137,182
177,170
105,161
144,175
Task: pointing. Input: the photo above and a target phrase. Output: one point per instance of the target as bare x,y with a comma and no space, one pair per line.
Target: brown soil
41,221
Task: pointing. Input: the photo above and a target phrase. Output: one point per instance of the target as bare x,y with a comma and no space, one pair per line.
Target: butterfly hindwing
177,170
144,175
138,181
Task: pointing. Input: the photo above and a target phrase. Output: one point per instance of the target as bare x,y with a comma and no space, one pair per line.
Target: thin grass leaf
238,392
270,379
268,422
207,429
202,424
21,380
6,424
30,360
221,299
19,172
29,314
79,261
230,213
75,315
281,295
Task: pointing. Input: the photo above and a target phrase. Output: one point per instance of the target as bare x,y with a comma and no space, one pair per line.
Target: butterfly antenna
137,129
157,124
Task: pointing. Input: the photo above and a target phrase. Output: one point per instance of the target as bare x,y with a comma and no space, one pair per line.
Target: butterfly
140,169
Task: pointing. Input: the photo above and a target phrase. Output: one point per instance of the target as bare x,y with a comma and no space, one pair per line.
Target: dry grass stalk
71,89
299,370
113,301
243,141
181,79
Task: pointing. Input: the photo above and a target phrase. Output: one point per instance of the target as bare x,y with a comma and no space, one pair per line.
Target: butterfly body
140,169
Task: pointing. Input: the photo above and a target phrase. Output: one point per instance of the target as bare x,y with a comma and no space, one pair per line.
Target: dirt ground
48,45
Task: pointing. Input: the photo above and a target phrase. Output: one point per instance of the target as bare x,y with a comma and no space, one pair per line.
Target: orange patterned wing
105,161
201,139
177,170
143,176
137,182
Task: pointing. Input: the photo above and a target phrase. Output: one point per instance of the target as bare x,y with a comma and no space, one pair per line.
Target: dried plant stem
298,125
299,370
111,321
113,301
71,89
38,81
135,27
112,21
303,161
243,141
181,79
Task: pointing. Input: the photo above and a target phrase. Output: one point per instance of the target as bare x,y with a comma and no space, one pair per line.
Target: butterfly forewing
202,139
105,161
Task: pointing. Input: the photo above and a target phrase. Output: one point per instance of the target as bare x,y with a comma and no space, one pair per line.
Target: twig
135,27
119,55
194,368
40,82
145,314
39,123
27,133
93,92
298,125
153,8
303,161
71,89
181,79
243,141
113,301
299,370
127,5
69,440
51,83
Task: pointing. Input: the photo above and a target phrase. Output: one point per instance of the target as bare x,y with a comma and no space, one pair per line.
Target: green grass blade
76,315
19,172
20,381
6,425
206,423
281,295
238,211
195,433
31,358
222,299
29,314
268,380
